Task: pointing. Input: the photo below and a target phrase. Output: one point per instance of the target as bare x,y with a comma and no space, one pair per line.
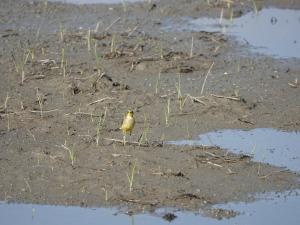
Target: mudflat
69,73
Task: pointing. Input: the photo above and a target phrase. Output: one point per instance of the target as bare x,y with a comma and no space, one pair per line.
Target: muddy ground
69,73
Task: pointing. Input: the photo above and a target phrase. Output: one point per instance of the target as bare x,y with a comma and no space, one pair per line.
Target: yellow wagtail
128,124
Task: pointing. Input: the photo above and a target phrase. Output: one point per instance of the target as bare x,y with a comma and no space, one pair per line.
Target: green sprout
131,177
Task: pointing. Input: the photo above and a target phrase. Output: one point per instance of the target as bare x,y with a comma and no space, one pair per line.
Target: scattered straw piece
100,100
227,97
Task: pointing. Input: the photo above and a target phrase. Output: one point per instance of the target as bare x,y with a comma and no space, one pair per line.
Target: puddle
97,1
265,145
271,31
272,208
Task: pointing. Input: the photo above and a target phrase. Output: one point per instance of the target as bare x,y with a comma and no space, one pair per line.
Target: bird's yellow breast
128,124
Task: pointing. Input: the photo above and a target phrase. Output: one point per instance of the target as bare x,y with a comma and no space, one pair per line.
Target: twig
127,142
245,121
100,100
146,59
118,155
132,31
230,172
31,134
130,200
49,111
182,114
206,77
158,173
227,97
196,99
115,21
167,95
97,27
192,46
47,61
64,147
27,185
269,174
212,154
83,113
214,164
294,84
37,77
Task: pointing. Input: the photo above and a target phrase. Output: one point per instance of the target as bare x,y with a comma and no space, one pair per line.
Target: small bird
128,124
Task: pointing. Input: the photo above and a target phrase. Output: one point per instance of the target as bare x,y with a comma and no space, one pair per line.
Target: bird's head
129,113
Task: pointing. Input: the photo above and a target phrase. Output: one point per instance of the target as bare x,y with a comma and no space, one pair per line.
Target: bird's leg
124,139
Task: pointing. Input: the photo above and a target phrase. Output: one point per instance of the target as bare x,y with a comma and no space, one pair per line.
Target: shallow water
97,1
272,208
266,145
269,208
271,31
